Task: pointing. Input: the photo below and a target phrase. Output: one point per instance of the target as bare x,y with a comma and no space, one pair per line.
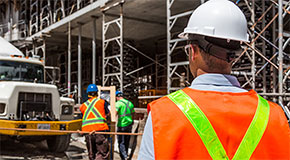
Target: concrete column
94,52
44,51
80,65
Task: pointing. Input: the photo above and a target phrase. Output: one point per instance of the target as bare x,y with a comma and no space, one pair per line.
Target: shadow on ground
13,149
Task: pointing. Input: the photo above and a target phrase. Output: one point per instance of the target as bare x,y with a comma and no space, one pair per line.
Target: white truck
27,102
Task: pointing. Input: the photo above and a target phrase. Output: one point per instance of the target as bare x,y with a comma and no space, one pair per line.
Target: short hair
220,48
93,93
119,95
216,52
212,62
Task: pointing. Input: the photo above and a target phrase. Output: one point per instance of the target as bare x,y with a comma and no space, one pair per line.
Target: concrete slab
143,19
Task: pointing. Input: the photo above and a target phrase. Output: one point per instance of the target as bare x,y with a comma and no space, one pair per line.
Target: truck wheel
58,143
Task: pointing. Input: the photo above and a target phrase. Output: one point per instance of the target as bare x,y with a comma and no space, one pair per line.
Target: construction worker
94,112
125,110
215,118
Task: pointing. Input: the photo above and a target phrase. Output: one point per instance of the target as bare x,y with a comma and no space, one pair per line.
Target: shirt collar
216,79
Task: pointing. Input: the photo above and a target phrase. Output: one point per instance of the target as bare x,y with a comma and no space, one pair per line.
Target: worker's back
94,116
230,114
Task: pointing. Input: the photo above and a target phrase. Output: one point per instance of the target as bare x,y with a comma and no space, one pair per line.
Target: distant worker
215,118
125,111
94,112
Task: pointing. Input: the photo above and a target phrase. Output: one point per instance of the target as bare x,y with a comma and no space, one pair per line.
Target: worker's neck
93,96
201,72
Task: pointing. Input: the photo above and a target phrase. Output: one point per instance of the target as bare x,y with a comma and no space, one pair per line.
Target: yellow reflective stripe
97,113
91,109
208,135
87,111
255,131
201,124
93,121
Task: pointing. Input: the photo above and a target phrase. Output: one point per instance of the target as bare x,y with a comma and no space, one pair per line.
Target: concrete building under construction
133,44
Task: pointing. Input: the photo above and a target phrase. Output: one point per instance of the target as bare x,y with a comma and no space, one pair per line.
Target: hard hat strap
215,50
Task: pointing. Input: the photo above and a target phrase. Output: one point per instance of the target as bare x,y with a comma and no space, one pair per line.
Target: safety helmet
119,94
92,88
218,19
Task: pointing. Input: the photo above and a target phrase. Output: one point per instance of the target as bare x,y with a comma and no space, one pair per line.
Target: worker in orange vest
215,118
94,112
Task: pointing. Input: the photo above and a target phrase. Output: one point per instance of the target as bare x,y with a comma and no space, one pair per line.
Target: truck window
20,71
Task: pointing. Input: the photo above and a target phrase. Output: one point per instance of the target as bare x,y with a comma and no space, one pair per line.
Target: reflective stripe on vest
127,107
91,109
208,135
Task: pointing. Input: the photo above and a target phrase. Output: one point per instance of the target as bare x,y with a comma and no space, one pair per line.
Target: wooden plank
113,118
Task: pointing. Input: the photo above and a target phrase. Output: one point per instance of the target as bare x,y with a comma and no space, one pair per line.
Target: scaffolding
257,67
113,60
264,64
177,69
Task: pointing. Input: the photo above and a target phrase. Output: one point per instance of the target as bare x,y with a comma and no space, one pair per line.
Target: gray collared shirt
205,82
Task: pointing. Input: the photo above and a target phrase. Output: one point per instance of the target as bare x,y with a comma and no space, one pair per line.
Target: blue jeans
123,141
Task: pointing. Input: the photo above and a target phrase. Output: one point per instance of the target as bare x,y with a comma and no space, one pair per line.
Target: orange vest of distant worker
94,116
230,114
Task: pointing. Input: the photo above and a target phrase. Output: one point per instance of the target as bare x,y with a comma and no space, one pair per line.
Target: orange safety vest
94,116
230,114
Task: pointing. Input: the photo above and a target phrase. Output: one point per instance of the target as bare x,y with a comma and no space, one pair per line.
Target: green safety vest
208,135
98,119
125,114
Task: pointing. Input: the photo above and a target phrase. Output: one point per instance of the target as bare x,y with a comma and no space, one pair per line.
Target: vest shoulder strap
127,107
91,109
208,135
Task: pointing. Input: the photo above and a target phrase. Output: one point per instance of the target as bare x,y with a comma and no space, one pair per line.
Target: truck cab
27,102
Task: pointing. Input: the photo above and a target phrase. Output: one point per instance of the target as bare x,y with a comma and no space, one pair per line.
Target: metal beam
274,35
264,48
138,19
274,94
44,50
74,16
107,73
103,50
253,67
121,46
280,44
69,61
150,97
171,46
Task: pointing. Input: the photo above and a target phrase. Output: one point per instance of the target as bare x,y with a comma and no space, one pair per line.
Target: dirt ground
15,150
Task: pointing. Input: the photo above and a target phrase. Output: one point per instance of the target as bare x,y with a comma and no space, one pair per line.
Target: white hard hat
219,19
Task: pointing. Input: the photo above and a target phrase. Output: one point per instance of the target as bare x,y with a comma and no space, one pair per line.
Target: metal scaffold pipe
168,4
280,55
103,50
253,45
69,61
94,52
121,46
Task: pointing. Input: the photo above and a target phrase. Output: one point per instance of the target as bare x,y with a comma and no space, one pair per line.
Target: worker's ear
193,52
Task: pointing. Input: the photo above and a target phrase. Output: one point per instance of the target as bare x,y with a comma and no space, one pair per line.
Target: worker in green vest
125,110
